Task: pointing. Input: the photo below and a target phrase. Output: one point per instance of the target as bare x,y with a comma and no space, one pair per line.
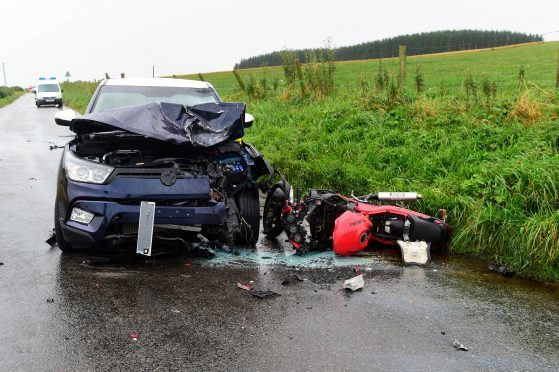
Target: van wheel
62,244
248,203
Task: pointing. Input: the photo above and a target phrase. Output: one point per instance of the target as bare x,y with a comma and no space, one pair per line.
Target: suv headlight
81,170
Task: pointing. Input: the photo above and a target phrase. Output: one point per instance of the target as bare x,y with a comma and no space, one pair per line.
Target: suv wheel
248,202
62,244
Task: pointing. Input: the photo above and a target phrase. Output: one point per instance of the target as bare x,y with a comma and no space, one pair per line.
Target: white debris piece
355,283
415,252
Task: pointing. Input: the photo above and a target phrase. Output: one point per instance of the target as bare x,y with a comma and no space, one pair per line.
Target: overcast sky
88,38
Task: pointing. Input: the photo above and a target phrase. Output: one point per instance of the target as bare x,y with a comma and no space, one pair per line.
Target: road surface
77,312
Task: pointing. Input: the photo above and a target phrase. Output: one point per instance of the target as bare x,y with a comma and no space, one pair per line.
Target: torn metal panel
203,125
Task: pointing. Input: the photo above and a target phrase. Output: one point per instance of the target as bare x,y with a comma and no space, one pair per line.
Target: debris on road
1,263
458,346
32,179
354,283
292,279
175,311
52,239
443,333
500,269
134,336
54,147
246,287
50,300
263,294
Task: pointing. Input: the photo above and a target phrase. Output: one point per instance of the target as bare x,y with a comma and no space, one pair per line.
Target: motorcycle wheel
271,220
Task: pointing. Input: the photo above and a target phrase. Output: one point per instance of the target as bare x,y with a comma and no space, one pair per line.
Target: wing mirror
249,120
64,117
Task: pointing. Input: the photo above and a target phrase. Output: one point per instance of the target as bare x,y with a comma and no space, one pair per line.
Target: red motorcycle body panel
351,233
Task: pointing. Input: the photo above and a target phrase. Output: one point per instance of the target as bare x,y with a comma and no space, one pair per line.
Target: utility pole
153,71
4,70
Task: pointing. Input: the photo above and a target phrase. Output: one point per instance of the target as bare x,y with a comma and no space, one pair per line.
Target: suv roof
157,82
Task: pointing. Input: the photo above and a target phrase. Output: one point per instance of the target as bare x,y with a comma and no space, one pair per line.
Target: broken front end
109,169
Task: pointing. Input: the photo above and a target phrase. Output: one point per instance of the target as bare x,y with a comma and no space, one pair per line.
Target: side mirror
64,117
34,91
249,120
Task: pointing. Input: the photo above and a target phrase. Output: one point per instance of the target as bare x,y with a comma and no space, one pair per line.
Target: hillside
447,69
420,43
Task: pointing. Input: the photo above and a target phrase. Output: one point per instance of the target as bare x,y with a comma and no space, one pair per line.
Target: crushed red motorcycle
324,219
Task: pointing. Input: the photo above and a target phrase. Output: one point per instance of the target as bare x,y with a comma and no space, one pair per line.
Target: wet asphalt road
76,312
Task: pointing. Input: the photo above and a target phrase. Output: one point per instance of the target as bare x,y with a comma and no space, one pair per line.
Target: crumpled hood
203,125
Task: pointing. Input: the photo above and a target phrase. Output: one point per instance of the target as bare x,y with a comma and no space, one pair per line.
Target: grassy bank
9,94
486,147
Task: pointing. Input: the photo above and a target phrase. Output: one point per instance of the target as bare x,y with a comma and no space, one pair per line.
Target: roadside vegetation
9,94
476,133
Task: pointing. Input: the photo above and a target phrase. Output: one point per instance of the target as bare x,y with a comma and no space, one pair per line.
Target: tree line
420,43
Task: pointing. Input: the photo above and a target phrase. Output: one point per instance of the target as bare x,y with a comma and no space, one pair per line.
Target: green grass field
502,65
492,162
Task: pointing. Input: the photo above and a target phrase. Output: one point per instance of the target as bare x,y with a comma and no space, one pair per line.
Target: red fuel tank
351,233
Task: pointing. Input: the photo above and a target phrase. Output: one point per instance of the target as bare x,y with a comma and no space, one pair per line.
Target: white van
48,92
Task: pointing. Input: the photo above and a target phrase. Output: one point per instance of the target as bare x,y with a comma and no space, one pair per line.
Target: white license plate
49,100
145,228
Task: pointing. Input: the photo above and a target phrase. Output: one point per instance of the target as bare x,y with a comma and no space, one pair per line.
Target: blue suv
167,141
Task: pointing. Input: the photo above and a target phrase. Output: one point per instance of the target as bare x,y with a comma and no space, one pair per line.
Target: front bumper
117,204
48,101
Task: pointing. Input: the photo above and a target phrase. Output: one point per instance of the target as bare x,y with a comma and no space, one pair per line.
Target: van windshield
113,96
43,88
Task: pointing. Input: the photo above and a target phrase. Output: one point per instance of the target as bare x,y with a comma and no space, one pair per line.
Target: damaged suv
171,142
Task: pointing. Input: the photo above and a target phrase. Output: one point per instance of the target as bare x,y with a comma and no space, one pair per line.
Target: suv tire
248,202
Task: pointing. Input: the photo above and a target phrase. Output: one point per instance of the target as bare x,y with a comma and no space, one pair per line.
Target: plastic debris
50,300
246,287
134,336
458,346
175,311
354,283
292,279
263,294
417,253
52,239
1,263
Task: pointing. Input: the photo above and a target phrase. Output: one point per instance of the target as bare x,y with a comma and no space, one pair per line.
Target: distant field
501,65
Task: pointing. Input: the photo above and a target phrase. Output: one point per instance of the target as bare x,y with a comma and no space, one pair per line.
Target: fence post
402,75
557,79
239,80
201,77
300,76
122,75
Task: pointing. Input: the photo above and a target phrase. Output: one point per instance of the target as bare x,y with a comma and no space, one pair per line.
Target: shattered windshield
111,96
